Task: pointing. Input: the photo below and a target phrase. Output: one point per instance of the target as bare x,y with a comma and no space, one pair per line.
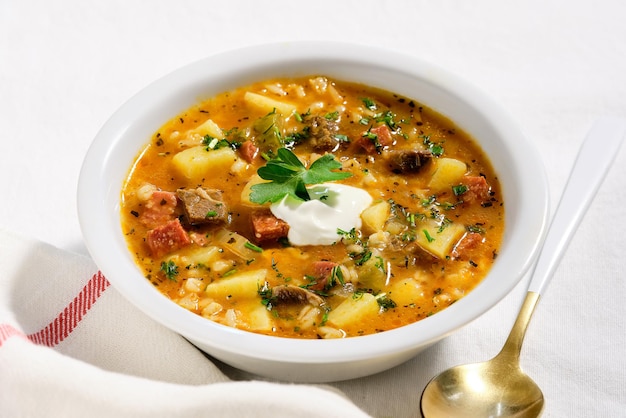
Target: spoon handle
594,159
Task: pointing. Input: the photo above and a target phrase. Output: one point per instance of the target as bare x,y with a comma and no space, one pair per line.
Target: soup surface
312,208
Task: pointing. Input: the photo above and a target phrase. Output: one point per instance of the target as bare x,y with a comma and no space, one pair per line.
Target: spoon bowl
504,390
494,388
498,387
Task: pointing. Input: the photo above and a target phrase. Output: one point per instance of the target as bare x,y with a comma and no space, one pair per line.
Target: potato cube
199,256
406,292
448,172
207,128
436,239
375,216
356,308
267,104
259,318
241,285
197,163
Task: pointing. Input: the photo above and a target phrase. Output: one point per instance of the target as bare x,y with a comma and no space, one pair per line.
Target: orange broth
391,272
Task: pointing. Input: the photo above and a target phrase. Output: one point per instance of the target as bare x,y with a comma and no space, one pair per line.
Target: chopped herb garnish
332,116
408,236
170,269
301,116
229,273
380,264
369,103
358,294
477,228
253,247
325,315
373,138
267,298
361,258
275,268
297,137
459,190
336,275
209,141
384,302
429,201
448,205
388,118
445,222
351,236
212,143
211,214
427,235
342,138
436,149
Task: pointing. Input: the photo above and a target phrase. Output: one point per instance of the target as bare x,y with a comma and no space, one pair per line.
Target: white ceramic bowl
110,156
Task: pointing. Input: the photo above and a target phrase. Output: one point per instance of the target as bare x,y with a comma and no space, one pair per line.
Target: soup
312,208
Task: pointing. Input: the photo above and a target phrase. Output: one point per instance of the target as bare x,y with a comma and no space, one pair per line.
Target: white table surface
66,65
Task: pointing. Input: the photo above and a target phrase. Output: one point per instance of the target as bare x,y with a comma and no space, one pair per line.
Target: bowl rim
99,193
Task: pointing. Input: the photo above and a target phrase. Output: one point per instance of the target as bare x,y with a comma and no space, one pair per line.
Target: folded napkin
70,345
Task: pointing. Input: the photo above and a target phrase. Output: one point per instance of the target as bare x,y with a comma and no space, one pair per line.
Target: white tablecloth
65,66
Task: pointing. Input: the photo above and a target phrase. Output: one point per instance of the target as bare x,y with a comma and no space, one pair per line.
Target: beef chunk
407,161
267,227
203,206
323,134
289,294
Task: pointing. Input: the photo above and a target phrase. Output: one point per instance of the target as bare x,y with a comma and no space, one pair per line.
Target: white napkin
70,345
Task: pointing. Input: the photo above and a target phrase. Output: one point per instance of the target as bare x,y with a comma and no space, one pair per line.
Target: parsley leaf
289,177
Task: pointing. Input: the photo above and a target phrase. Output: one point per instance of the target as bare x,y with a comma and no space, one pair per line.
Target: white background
65,66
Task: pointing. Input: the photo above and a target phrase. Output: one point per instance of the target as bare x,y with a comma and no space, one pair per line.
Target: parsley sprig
289,177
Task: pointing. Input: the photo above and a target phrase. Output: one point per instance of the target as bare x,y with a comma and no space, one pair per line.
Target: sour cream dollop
315,222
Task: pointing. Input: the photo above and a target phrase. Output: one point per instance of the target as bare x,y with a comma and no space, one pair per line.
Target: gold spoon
499,387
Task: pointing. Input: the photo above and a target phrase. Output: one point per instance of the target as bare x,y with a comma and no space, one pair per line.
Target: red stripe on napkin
63,325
